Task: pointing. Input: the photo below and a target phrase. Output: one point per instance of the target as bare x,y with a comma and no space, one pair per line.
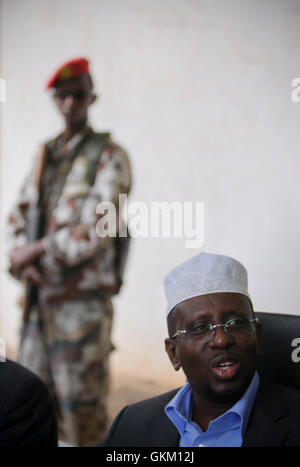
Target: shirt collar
180,408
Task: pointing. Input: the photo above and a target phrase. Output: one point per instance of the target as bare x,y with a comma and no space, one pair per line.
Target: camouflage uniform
67,338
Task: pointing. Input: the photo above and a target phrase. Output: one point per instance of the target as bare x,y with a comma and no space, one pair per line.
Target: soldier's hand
25,255
32,274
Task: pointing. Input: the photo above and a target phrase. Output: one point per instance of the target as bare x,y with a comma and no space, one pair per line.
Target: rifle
34,225
122,249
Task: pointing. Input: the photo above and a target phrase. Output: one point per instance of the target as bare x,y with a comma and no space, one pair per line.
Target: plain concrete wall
199,92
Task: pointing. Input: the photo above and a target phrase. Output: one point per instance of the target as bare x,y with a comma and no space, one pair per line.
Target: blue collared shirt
225,431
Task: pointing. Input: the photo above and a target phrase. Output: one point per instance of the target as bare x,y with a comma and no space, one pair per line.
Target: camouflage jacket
78,175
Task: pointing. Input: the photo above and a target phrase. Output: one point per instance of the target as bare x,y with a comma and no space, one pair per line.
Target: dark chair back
280,348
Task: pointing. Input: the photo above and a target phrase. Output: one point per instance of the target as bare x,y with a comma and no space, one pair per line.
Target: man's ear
172,351
94,97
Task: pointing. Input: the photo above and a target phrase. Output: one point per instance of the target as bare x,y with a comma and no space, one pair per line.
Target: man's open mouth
225,367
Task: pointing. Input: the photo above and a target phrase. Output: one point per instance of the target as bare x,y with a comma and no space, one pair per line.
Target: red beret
68,70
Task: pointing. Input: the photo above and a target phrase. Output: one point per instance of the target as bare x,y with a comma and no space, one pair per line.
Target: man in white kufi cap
214,337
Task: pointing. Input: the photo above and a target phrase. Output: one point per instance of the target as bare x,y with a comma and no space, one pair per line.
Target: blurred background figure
70,273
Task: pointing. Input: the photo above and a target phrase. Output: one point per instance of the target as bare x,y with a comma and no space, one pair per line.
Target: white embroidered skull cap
203,274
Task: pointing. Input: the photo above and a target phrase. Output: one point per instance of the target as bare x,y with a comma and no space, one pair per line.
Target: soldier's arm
74,244
22,227
16,231
23,257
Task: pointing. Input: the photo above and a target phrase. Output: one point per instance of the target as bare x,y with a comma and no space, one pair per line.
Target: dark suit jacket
27,416
274,421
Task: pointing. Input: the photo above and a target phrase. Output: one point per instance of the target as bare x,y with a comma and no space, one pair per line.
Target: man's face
73,98
220,366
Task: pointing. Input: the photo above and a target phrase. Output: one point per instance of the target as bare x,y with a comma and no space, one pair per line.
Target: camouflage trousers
67,345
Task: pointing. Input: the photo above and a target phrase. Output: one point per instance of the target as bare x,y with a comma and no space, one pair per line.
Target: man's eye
78,94
200,328
237,323
61,95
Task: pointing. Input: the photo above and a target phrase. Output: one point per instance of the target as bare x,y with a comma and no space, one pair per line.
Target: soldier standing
70,273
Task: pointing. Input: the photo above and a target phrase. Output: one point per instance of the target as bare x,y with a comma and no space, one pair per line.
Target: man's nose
68,102
220,337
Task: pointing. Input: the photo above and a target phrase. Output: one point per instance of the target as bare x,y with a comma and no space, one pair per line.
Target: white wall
199,92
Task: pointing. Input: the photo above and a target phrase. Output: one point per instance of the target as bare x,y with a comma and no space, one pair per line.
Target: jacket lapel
165,433
263,428
168,434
